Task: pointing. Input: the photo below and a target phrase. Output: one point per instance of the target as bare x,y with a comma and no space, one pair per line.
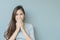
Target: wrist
22,28
17,29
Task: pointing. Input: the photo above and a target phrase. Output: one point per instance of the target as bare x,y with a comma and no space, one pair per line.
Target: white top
29,30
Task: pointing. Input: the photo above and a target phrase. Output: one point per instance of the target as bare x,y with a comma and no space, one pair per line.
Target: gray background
43,14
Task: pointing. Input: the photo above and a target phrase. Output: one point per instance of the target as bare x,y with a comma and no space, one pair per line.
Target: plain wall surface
43,14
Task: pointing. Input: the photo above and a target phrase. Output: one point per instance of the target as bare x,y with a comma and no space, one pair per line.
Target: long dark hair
12,24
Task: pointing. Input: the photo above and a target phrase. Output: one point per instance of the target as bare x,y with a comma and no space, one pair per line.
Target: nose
19,16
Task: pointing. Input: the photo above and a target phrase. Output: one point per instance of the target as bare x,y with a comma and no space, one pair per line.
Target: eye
16,14
21,14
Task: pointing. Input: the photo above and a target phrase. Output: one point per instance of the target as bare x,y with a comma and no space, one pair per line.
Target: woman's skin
20,26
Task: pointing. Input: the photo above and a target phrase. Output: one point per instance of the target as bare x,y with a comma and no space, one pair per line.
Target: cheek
16,18
22,17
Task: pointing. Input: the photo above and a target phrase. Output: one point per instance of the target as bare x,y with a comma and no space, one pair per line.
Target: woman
18,29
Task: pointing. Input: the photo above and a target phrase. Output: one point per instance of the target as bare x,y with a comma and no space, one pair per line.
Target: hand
19,24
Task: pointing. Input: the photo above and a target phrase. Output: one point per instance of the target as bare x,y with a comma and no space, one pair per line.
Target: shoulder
29,25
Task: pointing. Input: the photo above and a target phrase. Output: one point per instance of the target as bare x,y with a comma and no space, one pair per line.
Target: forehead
19,11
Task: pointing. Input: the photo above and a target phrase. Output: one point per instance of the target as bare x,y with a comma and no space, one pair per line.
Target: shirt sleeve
31,32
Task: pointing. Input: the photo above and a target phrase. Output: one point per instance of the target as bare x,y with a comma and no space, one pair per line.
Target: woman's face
19,15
